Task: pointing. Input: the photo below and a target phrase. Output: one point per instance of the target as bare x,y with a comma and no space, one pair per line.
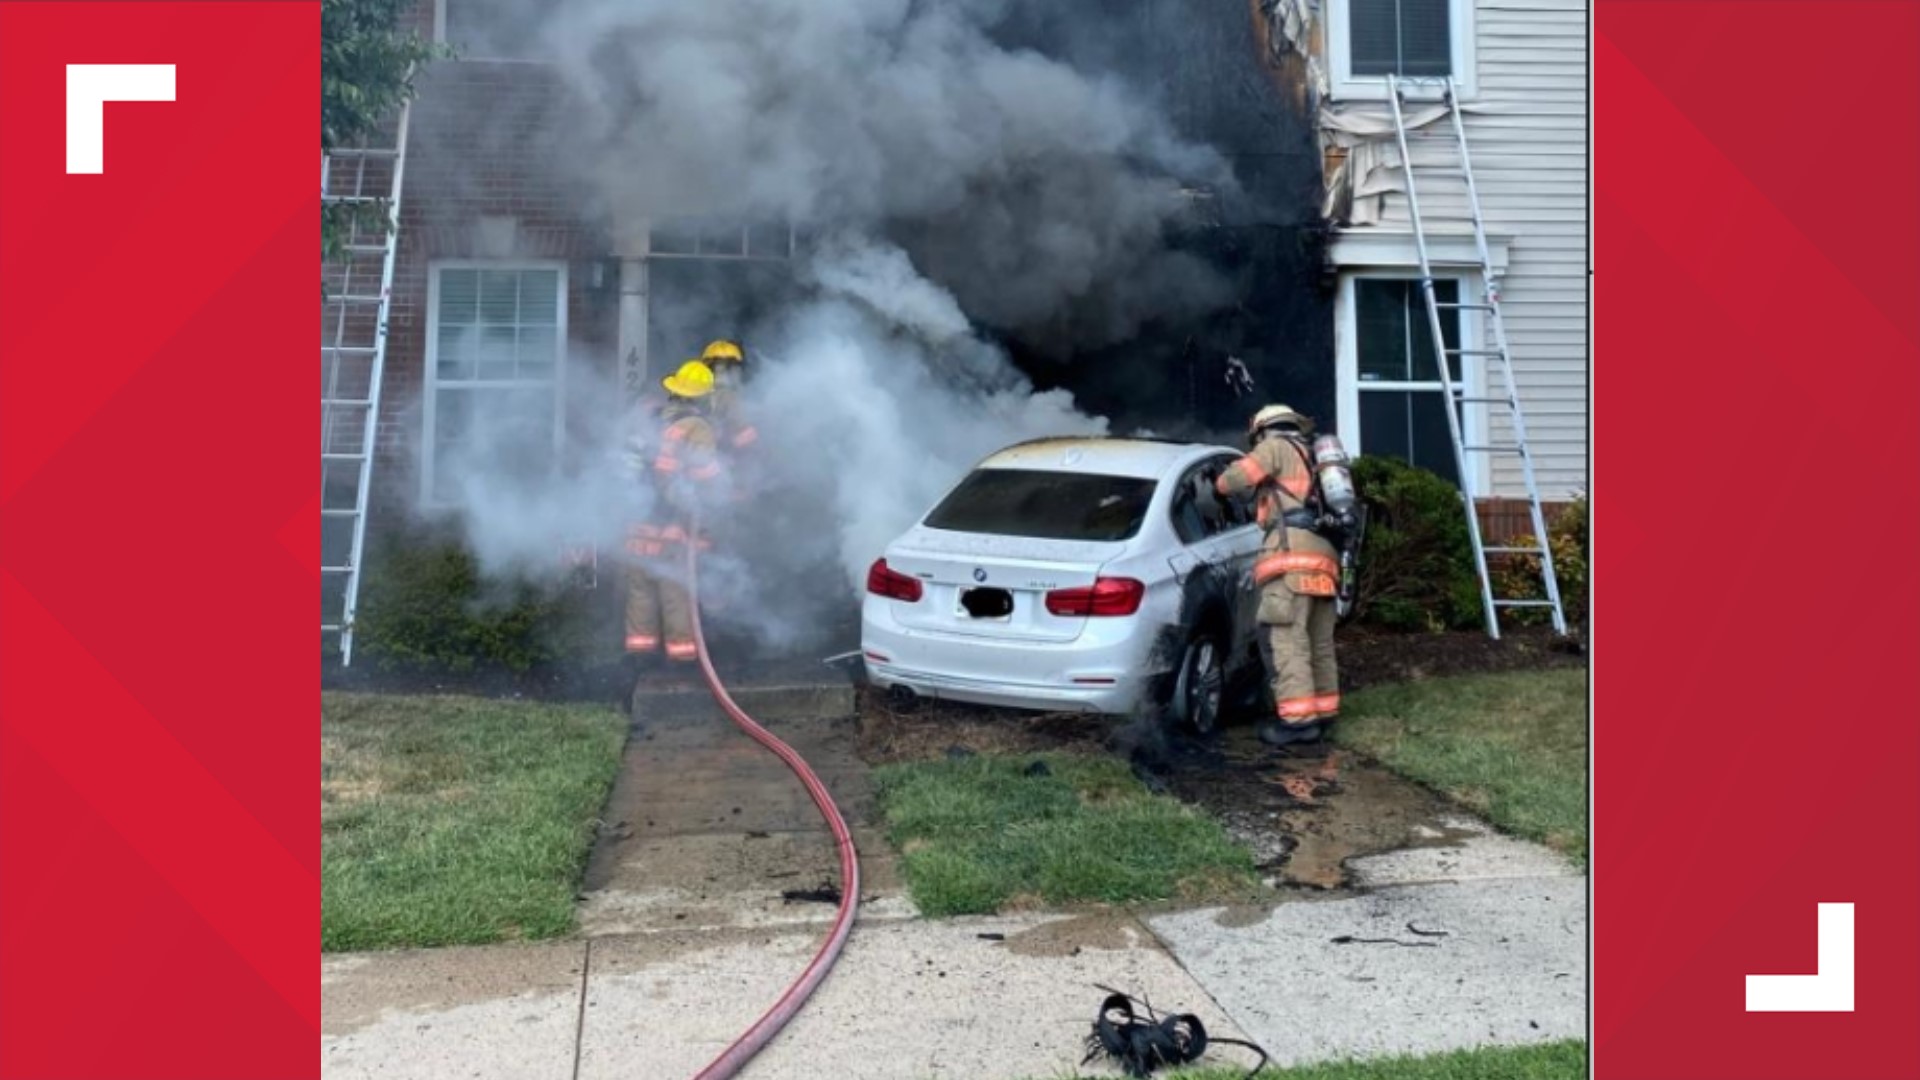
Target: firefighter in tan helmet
674,459
1298,573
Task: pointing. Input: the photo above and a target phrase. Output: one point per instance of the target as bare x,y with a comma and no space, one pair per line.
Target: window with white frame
1393,403
495,344
1414,39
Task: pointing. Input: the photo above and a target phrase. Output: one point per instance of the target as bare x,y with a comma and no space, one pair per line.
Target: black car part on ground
1141,1046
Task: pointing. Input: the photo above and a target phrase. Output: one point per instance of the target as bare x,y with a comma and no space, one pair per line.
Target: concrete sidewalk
1495,952
908,999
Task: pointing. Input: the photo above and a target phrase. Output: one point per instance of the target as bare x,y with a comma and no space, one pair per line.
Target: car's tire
1198,695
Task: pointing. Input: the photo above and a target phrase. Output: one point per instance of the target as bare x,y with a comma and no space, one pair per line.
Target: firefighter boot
1276,734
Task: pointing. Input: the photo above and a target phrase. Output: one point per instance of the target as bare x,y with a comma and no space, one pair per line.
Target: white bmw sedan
1094,575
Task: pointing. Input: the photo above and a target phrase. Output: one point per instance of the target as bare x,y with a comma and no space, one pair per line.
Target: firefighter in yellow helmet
1297,574
675,460
729,364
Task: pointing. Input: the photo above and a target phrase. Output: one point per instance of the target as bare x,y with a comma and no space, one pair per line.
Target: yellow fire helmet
723,352
693,380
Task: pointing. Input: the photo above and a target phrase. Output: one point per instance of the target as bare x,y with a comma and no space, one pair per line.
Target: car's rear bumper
1119,698
1099,673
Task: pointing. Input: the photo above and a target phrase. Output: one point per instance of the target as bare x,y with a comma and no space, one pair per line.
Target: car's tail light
1106,596
883,580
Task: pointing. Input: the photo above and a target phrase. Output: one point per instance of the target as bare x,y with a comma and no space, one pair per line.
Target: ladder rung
1472,352
1464,400
352,298
1503,449
350,348
1523,603
365,249
1462,307
341,457
356,513
1512,550
354,198
363,151
330,627
347,403
336,569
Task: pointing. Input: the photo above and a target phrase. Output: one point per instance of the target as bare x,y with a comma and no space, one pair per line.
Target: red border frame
1756,748
159,865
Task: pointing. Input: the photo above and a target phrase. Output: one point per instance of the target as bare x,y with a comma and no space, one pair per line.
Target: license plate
986,603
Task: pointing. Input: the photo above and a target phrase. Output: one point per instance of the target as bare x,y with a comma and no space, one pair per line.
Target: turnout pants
1297,645
659,607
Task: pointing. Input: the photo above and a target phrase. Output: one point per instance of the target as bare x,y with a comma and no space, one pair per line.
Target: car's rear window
1045,505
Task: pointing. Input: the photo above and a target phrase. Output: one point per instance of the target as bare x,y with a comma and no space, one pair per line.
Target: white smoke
950,182
881,399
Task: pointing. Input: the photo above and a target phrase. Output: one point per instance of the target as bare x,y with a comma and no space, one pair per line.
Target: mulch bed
933,728
1370,657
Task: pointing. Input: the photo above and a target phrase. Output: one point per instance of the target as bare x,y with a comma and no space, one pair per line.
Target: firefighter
676,459
1296,576
729,364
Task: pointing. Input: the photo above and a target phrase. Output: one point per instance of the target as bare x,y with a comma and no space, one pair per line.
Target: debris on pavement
1348,939
827,893
1141,1046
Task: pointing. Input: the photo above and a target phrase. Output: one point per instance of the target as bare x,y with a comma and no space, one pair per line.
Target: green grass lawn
1513,747
1546,1061
979,835
448,820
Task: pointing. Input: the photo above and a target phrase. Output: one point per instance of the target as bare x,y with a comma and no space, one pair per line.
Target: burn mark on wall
1215,68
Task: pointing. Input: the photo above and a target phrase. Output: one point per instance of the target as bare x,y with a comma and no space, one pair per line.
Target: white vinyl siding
1527,132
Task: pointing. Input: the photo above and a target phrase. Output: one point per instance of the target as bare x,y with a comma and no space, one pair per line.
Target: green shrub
425,605
1518,576
1416,569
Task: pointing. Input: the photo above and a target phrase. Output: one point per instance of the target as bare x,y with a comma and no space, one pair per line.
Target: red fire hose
764,1029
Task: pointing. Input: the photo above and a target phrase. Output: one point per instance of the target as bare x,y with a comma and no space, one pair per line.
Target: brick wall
481,183
1504,519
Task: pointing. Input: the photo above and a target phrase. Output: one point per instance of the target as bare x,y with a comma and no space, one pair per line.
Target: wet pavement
1305,811
705,828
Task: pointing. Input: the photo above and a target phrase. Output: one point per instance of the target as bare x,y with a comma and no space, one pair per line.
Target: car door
1225,544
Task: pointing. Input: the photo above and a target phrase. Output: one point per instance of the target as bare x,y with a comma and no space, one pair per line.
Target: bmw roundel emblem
979,574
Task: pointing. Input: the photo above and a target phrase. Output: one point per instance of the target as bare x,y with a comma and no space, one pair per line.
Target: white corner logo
1829,989
89,88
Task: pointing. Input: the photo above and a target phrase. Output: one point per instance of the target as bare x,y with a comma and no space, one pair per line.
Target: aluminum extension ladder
353,350
1500,361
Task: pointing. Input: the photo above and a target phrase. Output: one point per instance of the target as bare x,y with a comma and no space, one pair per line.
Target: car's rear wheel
1200,688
